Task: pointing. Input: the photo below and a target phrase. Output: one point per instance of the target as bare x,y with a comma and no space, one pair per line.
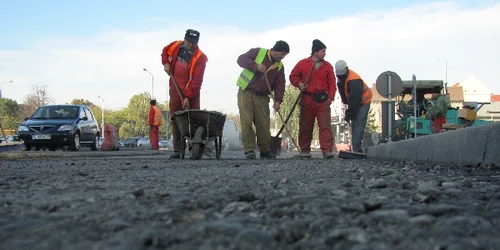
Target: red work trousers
175,104
437,124
310,110
154,133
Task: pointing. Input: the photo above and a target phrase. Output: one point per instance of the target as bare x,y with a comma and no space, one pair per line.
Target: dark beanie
192,36
281,46
317,45
152,102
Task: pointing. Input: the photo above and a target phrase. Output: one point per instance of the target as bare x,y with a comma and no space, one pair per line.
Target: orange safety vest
367,95
157,116
194,58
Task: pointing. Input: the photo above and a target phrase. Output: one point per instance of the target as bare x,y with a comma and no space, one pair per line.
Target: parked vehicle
60,126
130,142
143,143
231,137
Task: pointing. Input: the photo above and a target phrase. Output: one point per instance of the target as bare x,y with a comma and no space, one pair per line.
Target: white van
231,137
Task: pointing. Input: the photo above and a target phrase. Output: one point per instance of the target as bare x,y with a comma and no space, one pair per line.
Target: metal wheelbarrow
197,129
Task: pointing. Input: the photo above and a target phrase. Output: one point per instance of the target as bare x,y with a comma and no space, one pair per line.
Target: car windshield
56,112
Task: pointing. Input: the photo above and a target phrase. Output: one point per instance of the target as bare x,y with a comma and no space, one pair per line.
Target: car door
92,124
83,124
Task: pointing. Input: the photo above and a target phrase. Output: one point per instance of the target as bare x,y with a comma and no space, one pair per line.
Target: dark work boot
267,156
250,155
175,155
328,155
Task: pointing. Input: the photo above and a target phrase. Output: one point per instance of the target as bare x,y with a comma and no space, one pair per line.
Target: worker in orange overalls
154,122
185,63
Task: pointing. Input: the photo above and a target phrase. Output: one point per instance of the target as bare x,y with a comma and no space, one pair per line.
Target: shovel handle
289,114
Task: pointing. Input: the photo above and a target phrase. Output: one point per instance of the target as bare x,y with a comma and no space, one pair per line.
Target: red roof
495,98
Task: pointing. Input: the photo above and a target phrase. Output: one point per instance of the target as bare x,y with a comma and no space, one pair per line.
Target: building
474,90
491,111
480,96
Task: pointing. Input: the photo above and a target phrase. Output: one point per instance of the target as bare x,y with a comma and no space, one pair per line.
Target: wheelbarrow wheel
198,147
218,147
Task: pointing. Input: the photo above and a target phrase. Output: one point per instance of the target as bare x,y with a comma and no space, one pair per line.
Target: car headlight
22,128
64,128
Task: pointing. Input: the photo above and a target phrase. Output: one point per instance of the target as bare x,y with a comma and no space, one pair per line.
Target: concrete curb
466,146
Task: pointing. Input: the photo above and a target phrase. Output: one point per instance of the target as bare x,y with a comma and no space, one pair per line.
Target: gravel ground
142,200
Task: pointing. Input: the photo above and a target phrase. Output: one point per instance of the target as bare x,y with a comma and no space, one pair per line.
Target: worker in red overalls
314,76
185,63
154,122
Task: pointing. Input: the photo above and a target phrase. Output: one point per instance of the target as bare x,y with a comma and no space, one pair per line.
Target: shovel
350,154
276,140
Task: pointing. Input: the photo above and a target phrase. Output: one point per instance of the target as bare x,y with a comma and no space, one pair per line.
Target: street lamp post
446,75
102,116
152,83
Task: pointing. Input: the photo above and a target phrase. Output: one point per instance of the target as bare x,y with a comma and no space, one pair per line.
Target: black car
56,126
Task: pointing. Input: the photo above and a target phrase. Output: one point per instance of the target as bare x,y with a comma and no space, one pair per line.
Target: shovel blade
276,145
351,155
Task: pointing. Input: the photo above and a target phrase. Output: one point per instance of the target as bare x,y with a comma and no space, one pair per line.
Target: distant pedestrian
154,122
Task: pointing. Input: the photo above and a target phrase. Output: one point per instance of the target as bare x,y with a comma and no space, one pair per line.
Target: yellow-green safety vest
247,75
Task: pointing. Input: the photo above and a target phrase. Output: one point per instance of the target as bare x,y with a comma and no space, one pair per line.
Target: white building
474,90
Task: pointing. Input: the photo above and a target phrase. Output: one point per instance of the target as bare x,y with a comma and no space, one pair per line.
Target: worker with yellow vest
154,122
185,63
260,67
357,96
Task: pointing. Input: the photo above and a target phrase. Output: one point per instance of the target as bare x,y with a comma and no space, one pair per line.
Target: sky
87,49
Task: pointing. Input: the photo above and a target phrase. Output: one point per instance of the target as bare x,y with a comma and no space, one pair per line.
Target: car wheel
74,145
28,147
52,148
95,144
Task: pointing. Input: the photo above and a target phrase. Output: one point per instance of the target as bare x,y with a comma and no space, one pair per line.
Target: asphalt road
140,199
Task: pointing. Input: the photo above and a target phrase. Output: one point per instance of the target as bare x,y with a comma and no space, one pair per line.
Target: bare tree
37,98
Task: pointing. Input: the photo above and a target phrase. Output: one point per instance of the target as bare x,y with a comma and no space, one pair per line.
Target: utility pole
445,75
102,116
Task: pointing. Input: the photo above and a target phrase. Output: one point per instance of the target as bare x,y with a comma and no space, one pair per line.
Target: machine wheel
198,148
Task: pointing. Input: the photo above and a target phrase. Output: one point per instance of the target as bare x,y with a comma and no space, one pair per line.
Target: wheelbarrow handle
178,89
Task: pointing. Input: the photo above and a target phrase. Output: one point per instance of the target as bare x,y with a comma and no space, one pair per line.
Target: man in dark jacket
355,93
260,67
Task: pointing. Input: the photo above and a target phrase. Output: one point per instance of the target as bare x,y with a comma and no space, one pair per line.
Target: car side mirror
26,118
84,118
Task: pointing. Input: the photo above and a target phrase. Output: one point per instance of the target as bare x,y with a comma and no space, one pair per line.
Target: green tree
291,94
371,123
81,101
9,114
137,115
